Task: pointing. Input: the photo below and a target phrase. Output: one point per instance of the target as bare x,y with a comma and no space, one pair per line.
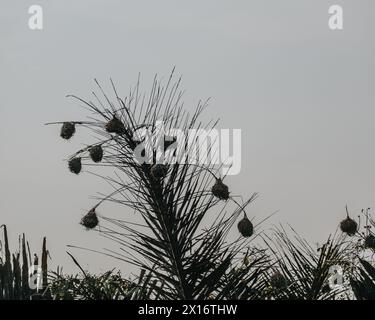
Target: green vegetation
16,272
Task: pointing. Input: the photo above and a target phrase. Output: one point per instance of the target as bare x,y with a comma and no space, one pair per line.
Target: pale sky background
302,94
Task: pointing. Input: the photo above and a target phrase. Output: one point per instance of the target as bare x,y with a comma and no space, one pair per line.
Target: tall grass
15,269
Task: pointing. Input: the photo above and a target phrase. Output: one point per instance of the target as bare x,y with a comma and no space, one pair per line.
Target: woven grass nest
278,281
115,126
370,242
75,165
90,220
96,153
349,226
159,171
220,190
68,130
245,227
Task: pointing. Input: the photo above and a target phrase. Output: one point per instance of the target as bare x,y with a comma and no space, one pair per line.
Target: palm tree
186,209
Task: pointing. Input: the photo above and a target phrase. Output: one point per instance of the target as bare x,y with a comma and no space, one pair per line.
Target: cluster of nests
158,172
96,152
221,191
114,125
350,227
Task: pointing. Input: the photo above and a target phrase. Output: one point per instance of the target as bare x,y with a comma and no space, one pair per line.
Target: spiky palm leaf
306,270
176,244
363,282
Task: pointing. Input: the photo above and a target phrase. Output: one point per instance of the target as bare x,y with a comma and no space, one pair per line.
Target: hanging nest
96,153
90,220
159,171
278,281
245,227
220,190
370,242
115,126
75,165
349,226
68,129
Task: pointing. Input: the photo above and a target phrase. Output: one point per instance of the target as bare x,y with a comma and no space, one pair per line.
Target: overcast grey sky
302,94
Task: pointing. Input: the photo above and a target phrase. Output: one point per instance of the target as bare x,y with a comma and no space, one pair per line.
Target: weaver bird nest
159,171
68,130
278,281
115,126
370,242
75,165
245,227
220,190
90,220
96,153
349,226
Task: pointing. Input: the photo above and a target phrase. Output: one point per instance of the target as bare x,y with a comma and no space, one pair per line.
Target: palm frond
185,254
